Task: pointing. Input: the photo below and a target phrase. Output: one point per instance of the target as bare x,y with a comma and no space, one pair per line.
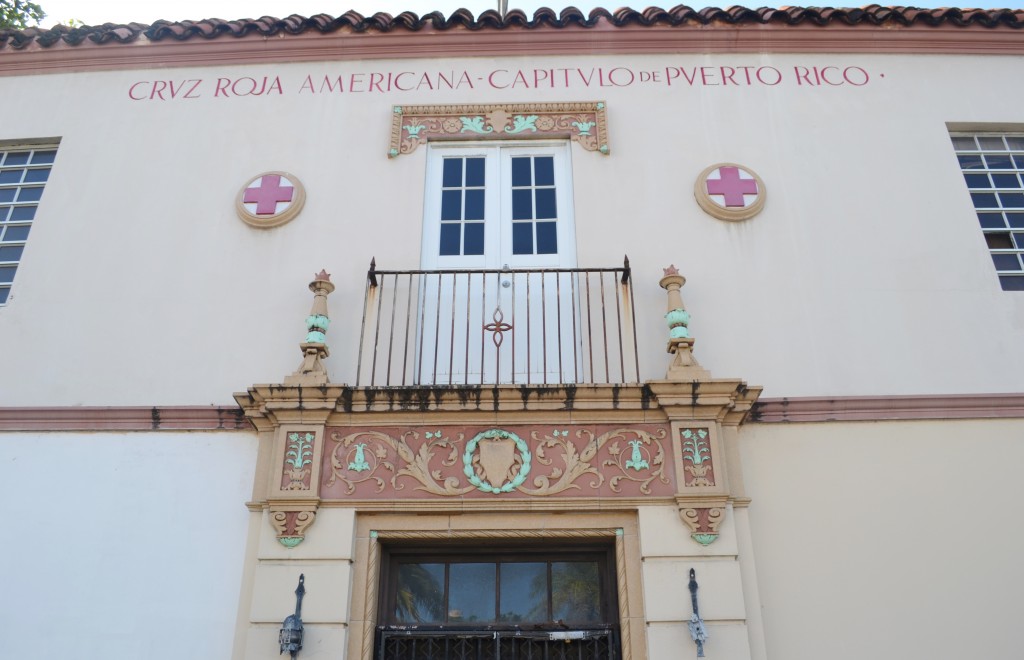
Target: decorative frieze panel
584,123
519,461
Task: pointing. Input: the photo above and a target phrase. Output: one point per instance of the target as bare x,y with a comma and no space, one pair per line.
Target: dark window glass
524,592
17,158
998,162
547,238
11,252
7,194
16,233
1019,162
1018,240
474,238
964,143
1006,261
471,597
977,181
451,205
546,207
1005,181
991,220
11,176
999,241
23,213
7,274
4,210
451,176
1009,283
474,205
1015,219
971,162
575,592
522,238
983,200
521,171
522,204
4,292
37,176
1012,199
30,194
450,239
544,171
420,593
43,157
474,171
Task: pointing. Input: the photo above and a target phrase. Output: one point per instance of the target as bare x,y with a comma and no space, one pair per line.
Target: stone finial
684,366
314,349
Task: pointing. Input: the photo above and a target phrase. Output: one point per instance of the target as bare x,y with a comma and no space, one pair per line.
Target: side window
491,206
993,165
23,174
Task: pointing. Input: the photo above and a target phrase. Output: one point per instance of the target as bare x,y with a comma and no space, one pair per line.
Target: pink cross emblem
267,194
731,186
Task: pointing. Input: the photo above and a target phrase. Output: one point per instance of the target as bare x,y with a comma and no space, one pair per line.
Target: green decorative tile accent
289,541
704,539
474,125
695,446
359,464
584,126
374,534
620,532
522,123
636,460
300,448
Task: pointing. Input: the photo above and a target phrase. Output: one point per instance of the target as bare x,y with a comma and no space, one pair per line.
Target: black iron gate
496,645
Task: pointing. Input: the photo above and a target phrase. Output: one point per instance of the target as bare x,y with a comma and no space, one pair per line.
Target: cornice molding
124,418
883,408
601,39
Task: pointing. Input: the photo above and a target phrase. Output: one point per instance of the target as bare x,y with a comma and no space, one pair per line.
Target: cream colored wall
122,545
887,540
140,285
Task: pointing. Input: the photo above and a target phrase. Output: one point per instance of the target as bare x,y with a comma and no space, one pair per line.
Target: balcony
549,326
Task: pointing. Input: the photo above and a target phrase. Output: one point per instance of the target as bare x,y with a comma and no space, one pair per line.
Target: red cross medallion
267,192
731,186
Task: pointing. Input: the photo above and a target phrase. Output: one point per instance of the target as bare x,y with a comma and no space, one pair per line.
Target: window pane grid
993,168
462,207
534,206
23,174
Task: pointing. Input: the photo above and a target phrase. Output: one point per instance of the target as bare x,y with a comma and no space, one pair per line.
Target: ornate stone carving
696,454
312,371
291,525
684,365
703,521
584,123
498,462
297,461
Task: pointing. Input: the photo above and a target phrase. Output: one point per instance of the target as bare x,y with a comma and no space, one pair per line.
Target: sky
97,12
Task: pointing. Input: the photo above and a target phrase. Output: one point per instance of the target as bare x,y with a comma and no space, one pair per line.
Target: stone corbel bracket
291,521
584,123
702,514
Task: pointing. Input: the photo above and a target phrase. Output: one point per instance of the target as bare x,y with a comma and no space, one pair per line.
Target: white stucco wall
865,274
887,540
123,545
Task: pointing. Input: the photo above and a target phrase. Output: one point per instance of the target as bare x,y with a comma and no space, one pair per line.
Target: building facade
515,335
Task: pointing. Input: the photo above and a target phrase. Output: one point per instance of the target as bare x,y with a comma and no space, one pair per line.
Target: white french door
498,207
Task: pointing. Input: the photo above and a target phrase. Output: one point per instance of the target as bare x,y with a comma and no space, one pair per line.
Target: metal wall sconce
697,631
290,636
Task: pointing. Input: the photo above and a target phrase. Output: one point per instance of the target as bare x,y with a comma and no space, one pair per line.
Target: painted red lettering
158,90
773,70
375,80
222,86
398,79
132,89
863,76
490,79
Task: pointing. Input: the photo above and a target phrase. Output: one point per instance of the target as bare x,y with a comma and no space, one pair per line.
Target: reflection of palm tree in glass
575,593
420,594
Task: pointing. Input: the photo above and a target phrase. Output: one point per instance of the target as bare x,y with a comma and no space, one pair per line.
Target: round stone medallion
270,199
729,191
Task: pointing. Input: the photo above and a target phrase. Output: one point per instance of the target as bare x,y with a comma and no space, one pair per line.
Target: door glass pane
474,205
474,238
451,205
524,592
522,238
452,174
449,239
544,171
547,238
575,592
546,207
420,593
520,171
522,204
474,172
471,597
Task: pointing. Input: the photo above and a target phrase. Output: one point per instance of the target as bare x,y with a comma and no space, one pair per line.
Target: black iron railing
496,645
482,327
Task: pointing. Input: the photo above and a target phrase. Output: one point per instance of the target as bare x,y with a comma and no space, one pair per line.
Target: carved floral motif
696,454
416,463
584,123
703,522
297,459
